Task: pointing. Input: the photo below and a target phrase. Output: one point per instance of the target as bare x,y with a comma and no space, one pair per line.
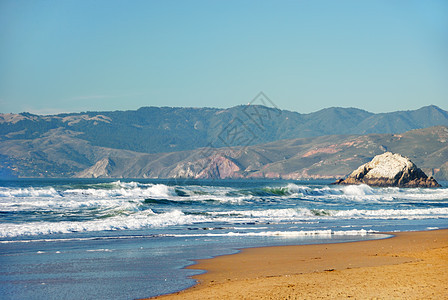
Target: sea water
127,239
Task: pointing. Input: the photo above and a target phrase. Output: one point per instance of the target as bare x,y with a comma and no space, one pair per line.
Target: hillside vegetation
243,141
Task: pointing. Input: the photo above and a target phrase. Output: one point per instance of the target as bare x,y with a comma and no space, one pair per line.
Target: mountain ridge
164,142
63,154
166,129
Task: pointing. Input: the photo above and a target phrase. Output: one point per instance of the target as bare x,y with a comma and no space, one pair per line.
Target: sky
305,55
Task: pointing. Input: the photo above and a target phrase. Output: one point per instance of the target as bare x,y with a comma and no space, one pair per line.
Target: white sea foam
28,192
106,200
31,199
366,193
148,218
55,205
267,213
121,205
135,221
127,191
293,233
322,233
78,239
98,195
431,213
119,189
304,213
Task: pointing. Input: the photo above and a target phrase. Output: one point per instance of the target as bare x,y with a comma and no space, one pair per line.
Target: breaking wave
290,213
136,221
366,193
59,209
149,218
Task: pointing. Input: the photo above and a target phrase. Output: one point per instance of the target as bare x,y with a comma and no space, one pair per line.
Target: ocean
128,239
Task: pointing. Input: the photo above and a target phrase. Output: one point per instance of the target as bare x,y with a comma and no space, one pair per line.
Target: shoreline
409,265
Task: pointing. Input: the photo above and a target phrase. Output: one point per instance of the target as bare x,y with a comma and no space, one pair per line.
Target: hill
62,153
165,129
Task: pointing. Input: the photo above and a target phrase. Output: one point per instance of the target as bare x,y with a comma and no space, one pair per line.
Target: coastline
409,265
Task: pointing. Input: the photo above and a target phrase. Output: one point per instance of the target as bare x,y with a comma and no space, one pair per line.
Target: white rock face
386,165
101,168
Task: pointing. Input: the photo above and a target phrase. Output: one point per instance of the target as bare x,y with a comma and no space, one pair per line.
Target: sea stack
389,169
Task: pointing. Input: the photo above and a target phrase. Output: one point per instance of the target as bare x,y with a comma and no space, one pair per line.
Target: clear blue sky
78,55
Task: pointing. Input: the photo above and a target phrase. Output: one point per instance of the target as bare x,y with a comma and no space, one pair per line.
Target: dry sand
411,265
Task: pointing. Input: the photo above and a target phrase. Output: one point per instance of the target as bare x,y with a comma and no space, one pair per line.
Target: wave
68,204
135,221
202,199
127,191
427,213
135,190
305,213
148,218
292,234
355,193
80,239
29,192
101,194
366,193
115,189
117,195
132,205
324,233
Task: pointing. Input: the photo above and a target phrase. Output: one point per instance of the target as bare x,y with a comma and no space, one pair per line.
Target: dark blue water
85,238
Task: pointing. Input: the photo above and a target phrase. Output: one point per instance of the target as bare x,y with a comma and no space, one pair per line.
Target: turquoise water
126,239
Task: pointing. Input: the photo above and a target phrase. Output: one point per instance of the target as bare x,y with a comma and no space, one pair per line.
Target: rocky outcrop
220,167
101,169
216,166
390,169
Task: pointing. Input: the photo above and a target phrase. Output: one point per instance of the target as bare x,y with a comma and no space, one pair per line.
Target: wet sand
410,265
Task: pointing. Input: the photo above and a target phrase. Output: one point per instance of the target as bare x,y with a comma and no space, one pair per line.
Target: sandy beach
410,265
